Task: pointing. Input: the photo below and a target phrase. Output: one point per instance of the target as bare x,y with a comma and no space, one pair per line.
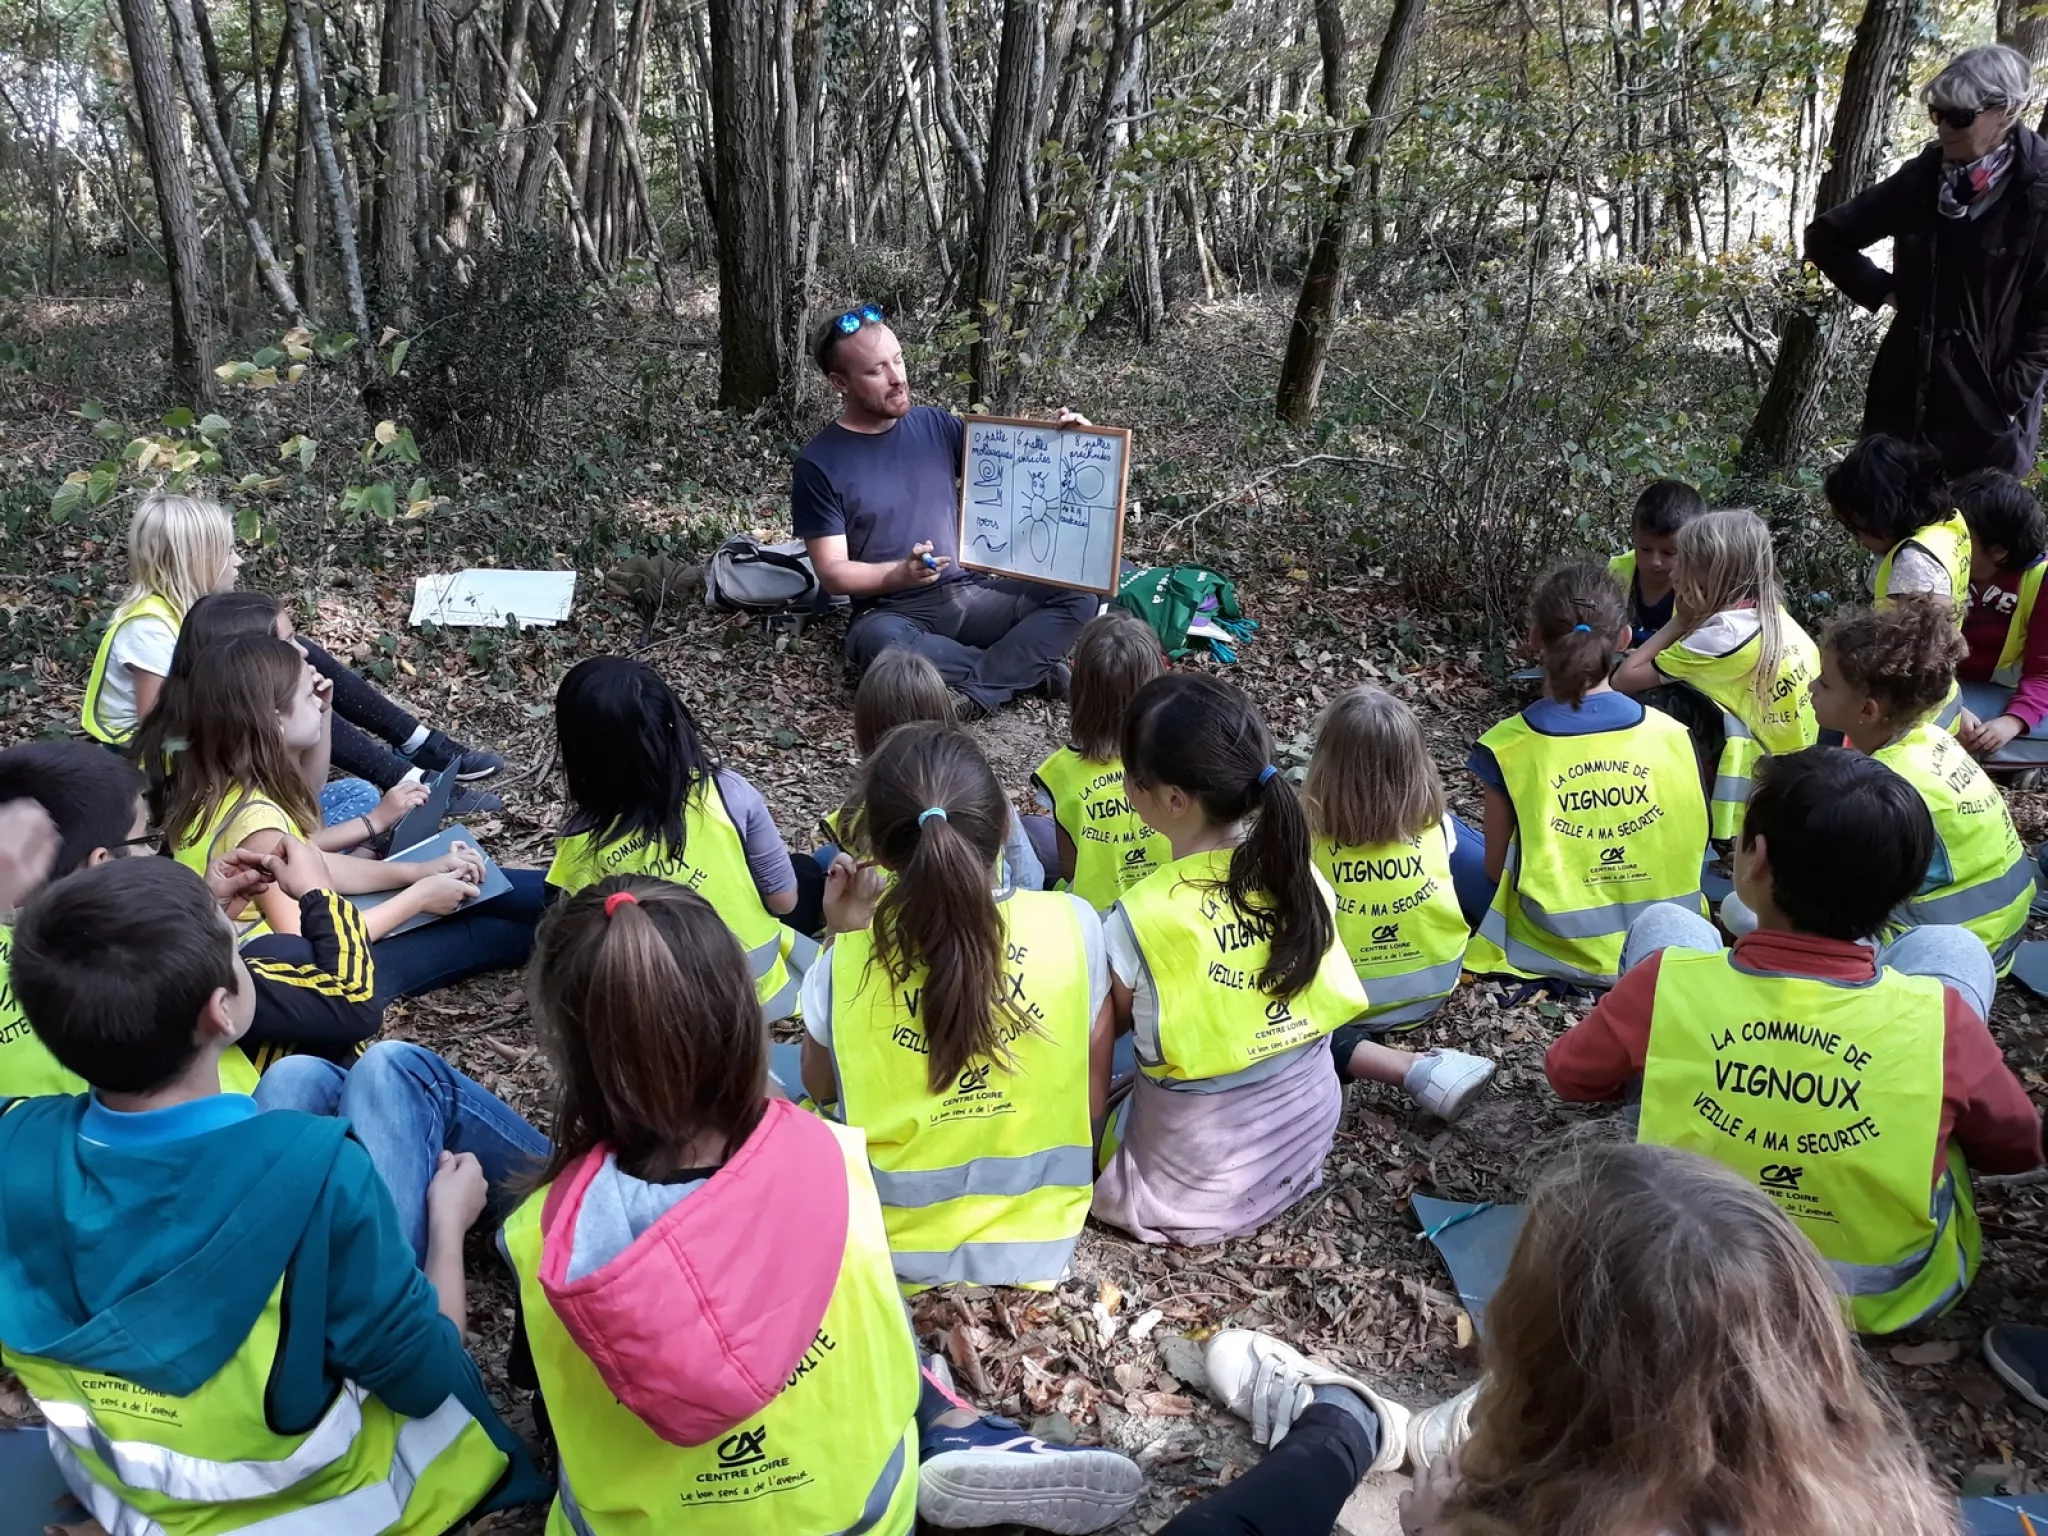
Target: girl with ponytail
703,1271
1593,801
964,1026
1227,967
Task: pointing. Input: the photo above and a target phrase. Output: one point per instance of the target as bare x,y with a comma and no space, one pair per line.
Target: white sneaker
1438,1431
1445,1082
1270,1385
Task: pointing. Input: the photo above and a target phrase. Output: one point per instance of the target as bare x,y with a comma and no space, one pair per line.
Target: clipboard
495,883
1042,502
424,819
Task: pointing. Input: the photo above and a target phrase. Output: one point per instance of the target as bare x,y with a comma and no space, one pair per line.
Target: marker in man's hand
929,563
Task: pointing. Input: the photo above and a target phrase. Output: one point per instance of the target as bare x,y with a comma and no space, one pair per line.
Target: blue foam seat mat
2000,1516
35,1491
1476,1242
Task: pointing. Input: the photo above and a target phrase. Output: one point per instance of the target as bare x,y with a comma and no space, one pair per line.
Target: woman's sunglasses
1957,118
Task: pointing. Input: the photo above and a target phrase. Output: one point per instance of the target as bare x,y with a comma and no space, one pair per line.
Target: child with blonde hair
1731,640
1884,674
1389,849
1101,846
179,549
1666,1353
1593,801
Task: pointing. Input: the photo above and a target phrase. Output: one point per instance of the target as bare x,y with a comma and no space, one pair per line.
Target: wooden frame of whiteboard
1123,487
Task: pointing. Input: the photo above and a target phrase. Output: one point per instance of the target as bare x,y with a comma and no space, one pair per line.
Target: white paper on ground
484,597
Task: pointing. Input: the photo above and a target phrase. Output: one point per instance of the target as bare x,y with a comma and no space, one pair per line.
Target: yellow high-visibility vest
149,605
1607,825
1751,729
1827,1096
834,1452
1113,848
713,863
1948,541
209,1464
990,1181
2015,649
27,1069
1991,884
1213,1029
1398,919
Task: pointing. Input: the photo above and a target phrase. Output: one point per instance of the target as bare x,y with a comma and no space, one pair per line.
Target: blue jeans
494,935
1954,956
407,1106
1468,872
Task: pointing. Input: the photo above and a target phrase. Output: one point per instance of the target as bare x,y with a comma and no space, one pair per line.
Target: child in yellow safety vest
1645,569
1871,1086
1228,968
1102,846
647,797
1731,642
179,549
963,1025
1658,1356
255,706
900,687
1390,851
2004,677
1895,501
1884,672
1594,810
706,1297
259,1349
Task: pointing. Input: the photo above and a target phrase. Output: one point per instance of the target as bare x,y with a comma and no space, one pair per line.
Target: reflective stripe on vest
1607,825
209,1463
149,605
714,865
990,1180
1212,1029
833,1453
1828,1097
1398,920
1991,884
2015,651
27,1068
1623,569
1752,728
1948,542
1113,848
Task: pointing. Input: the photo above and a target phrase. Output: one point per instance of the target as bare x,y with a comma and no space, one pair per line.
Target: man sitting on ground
875,498
1835,1077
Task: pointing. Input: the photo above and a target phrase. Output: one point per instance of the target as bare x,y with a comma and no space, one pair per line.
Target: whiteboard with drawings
1044,502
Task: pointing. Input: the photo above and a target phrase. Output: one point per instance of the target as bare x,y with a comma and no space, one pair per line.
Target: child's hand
441,894
1981,738
851,891
297,868
28,850
461,860
398,799
241,875
455,1197
1422,1508
323,689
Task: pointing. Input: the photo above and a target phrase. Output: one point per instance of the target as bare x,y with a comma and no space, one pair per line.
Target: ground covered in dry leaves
1113,1354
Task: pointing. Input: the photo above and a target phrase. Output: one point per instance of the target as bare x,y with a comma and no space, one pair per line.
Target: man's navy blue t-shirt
886,491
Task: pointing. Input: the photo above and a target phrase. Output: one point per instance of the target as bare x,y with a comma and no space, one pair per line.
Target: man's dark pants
990,637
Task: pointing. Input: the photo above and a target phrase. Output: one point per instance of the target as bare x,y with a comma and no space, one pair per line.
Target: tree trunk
990,359
312,109
940,36
2023,24
199,93
395,204
306,215
184,244
752,367
1872,82
548,110
1322,287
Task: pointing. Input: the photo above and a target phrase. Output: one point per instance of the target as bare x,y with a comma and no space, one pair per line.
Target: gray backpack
753,577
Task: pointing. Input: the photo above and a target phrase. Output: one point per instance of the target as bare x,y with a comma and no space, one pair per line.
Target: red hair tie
611,902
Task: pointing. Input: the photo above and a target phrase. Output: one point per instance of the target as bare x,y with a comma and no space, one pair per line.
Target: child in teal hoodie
215,1307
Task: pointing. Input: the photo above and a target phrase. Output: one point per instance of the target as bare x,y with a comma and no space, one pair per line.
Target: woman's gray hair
1993,79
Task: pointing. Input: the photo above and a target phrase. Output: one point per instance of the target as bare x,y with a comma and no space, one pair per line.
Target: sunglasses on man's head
854,319
1957,118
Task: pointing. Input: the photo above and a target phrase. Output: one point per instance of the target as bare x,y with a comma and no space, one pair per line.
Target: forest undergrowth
632,463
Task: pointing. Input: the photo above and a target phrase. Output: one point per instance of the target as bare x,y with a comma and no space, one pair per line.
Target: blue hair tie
929,812
1582,629
1266,773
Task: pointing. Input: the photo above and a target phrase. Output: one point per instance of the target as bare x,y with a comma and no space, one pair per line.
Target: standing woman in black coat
1963,365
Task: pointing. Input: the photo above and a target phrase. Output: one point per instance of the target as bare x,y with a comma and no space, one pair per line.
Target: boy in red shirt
1839,1078
2005,676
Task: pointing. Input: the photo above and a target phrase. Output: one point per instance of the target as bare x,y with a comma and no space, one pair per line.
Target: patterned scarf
1963,186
